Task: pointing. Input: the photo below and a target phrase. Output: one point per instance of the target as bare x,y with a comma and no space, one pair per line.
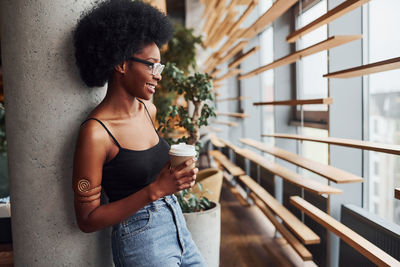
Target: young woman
118,149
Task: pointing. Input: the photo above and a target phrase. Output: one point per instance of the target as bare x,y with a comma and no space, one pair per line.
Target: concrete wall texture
45,104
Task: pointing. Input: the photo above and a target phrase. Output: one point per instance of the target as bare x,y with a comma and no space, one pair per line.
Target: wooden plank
397,193
228,165
385,65
288,175
366,145
356,241
215,73
242,201
327,171
229,74
220,30
233,51
305,234
215,141
243,2
235,115
329,43
328,17
233,38
291,239
239,98
275,11
245,14
215,17
228,123
209,6
326,101
243,57
214,129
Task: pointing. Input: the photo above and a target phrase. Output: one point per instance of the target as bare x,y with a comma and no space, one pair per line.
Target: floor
247,237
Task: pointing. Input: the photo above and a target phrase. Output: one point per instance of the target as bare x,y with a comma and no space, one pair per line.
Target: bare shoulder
93,137
93,131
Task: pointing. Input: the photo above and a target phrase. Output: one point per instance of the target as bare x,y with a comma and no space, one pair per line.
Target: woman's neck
119,102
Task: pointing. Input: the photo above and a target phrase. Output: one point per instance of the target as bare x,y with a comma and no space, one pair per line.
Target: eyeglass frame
155,66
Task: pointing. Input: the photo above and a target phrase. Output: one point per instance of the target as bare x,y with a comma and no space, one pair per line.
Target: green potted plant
202,216
181,50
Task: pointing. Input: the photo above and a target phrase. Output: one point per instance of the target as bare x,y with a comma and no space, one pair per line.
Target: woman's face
139,79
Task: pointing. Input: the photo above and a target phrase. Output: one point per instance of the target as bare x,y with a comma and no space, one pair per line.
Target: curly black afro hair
111,32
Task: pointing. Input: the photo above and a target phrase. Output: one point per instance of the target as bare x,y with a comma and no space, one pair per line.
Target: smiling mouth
151,87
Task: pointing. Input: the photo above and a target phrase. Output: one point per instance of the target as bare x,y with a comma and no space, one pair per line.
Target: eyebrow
155,59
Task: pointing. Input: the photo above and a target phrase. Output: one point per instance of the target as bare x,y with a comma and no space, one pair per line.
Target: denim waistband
161,202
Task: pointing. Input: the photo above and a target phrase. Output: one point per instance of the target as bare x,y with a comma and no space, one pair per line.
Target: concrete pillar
45,103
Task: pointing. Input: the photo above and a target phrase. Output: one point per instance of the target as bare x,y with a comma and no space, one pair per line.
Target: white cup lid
182,150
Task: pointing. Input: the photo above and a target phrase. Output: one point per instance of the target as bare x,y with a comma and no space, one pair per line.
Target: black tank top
132,170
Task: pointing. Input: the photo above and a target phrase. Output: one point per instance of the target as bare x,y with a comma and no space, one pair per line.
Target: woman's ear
121,68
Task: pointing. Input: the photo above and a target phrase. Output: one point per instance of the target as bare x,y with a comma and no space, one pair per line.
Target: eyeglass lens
157,68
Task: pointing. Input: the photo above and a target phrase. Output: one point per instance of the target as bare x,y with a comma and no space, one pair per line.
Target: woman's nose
157,77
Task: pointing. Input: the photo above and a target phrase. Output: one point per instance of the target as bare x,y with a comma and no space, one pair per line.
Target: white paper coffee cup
180,153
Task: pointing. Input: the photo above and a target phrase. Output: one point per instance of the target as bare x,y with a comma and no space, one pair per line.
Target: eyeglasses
155,68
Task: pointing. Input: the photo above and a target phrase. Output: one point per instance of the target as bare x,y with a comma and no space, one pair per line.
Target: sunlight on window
384,108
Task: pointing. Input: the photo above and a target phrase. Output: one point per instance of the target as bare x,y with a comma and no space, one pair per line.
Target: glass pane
314,151
384,109
311,68
267,83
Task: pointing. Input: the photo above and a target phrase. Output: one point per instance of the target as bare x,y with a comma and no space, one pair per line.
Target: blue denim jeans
155,236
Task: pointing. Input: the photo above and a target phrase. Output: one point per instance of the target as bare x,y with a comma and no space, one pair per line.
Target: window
310,81
267,78
311,84
376,189
384,105
376,168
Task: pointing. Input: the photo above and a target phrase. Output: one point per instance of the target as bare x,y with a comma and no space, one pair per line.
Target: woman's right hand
172,180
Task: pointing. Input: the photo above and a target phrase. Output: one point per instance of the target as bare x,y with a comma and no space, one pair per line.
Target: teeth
151,86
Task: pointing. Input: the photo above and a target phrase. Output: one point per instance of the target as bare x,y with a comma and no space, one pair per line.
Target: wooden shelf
275,11
235,115
233,98
329,43
243,57
288,175
215,73
229,74
291,239
222,29
326,101
215,141
366,145
328,17
385,65
228,123
305,234
228,165
250,6
243,2
397,193
281,171
214,129
356,241
329,172
233,51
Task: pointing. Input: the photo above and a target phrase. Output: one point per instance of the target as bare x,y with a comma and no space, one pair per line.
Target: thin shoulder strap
147,113
102,124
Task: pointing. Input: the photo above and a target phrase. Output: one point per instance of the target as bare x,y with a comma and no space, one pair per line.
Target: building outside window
383,91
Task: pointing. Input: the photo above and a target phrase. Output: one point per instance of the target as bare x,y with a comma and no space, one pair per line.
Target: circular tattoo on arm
83,185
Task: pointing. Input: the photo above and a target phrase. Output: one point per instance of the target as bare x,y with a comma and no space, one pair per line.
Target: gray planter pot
205,228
